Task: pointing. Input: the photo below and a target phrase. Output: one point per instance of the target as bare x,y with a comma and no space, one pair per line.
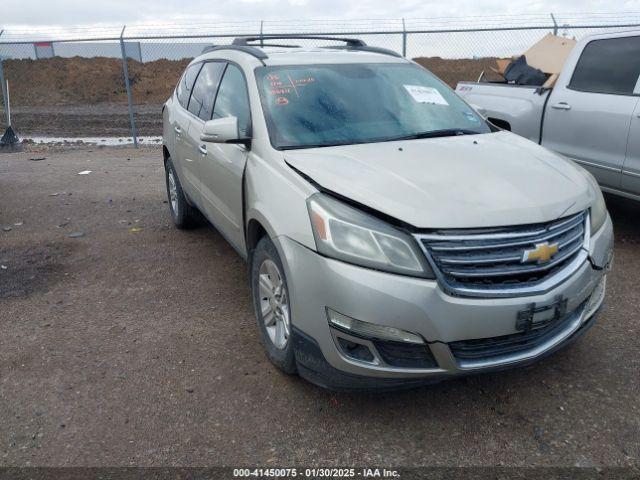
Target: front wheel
272,305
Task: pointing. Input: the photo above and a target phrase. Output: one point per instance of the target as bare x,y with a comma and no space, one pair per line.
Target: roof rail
350,42
366,48
253,51
243,44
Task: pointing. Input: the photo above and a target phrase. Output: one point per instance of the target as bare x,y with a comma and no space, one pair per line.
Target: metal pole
5,94
125,69
8,104
404,39
555,24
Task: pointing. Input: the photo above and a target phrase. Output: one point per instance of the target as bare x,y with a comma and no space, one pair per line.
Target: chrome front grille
507,260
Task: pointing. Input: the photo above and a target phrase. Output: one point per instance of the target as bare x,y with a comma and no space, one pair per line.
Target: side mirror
223,130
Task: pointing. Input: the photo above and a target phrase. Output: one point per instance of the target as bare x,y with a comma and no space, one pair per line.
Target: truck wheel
272,305
183,214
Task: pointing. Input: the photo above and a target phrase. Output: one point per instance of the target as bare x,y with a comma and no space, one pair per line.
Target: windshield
321,105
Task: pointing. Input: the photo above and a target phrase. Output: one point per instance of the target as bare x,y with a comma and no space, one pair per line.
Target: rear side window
204,90
608,66
232,99
183,90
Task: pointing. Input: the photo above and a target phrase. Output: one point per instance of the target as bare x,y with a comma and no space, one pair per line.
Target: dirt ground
135,344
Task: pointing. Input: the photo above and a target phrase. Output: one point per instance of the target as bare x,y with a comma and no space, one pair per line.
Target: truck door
589,112
631,168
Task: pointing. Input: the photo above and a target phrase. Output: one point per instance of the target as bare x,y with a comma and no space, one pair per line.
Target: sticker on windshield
425,94
472,117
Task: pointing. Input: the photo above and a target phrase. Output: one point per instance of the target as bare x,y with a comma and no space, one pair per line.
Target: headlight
347,234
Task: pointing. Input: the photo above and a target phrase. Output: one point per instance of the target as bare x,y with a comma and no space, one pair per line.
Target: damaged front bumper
461,335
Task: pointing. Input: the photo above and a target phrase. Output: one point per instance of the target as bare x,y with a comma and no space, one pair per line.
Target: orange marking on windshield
293,85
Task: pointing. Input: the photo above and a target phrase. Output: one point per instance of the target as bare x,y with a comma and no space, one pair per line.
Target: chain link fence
75,82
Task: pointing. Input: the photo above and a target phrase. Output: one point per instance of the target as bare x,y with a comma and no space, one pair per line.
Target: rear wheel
183,214
272,305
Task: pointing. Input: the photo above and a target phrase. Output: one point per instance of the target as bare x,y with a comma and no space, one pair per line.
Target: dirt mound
454,71
90,81
82,81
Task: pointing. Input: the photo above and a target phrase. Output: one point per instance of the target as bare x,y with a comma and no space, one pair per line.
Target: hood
489,180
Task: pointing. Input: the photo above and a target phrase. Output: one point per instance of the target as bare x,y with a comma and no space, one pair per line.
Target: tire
183,215
271,298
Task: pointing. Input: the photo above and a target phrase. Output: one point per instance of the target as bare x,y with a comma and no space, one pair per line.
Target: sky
33,13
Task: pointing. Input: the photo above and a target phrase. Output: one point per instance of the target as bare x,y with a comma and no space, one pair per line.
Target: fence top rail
7,41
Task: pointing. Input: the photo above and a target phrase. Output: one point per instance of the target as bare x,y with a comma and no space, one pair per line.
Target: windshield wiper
448,132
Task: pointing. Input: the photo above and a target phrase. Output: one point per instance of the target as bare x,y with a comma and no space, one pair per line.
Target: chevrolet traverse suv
393,236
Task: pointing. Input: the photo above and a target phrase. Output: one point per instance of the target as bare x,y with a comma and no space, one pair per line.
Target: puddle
107,141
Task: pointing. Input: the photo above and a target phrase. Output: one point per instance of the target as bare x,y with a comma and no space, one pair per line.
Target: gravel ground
135,344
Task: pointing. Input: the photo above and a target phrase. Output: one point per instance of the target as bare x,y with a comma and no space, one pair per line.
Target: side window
232,99
204,90
608,66
183,90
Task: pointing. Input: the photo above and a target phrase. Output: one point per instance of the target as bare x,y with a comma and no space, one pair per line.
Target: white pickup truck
591,115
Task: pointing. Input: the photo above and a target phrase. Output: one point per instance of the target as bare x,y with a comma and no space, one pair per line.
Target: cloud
82,12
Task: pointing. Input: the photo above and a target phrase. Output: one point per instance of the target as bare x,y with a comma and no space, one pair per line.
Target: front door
222,165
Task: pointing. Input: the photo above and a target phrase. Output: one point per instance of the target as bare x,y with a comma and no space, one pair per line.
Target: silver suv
393,236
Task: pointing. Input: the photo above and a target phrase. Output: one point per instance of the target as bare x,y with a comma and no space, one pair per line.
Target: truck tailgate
517,108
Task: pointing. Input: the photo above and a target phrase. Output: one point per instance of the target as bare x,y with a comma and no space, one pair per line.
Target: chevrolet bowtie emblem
541,254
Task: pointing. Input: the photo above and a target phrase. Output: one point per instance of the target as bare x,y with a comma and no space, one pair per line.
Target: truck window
608,66
204,90
183,90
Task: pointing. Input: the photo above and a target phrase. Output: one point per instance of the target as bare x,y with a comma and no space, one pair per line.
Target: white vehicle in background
591,115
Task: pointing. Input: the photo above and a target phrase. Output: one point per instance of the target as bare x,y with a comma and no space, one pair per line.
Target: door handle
178,130
203,149
561,106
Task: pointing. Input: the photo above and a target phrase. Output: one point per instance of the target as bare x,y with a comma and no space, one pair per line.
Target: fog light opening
354,350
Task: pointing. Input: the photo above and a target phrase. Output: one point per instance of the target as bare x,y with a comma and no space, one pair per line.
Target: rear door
222,166
184,162
199,111
588,117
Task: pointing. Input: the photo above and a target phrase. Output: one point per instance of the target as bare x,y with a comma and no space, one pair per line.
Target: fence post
127,84
4,86
555,24
4,91
404,39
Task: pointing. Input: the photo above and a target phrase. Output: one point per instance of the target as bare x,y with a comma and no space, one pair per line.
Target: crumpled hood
467,181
